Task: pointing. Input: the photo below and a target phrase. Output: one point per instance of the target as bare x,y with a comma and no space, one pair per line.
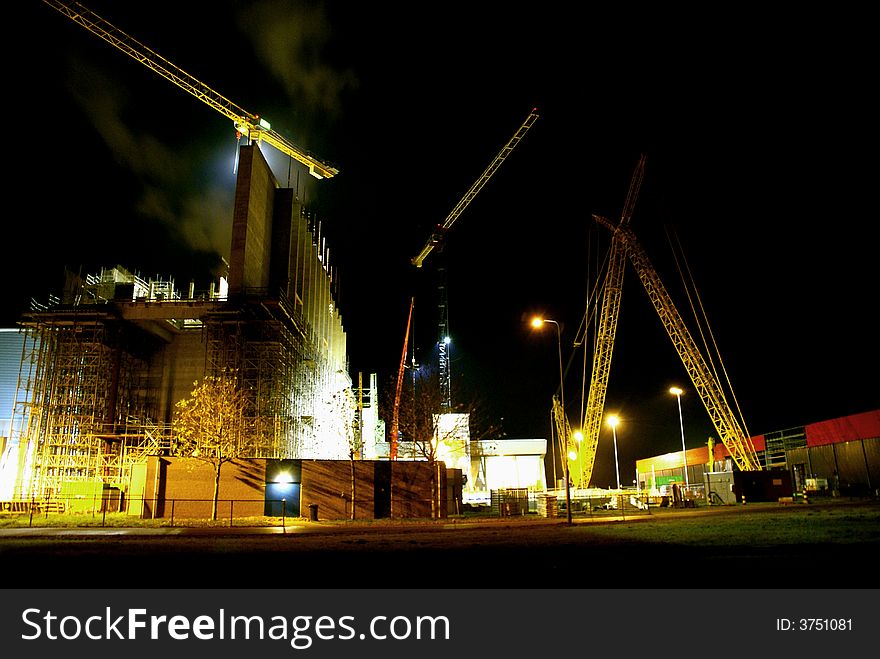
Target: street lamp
613,420
677,392
537,323
578,437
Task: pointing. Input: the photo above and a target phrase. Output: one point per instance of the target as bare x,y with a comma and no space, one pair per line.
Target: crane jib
246,123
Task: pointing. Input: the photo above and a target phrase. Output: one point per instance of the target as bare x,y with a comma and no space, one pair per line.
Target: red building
837,457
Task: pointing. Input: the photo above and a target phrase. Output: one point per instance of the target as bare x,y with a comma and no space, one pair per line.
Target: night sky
759,132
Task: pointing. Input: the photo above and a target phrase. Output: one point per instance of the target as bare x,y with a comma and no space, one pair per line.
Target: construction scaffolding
268,350
80,403
105,364
99,377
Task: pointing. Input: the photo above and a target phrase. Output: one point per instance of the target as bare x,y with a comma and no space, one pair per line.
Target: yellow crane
506,150
707,386
436,239
249,125
624,244
582,465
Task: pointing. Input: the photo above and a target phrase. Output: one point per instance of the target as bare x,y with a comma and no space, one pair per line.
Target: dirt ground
762,547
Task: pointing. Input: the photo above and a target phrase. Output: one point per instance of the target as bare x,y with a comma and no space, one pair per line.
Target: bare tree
424,432
213,426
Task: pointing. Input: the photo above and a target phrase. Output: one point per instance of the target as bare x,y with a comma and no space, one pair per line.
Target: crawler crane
625,245
249,125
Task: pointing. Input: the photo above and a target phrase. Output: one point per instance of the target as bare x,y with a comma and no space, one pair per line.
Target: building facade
837,457
102,366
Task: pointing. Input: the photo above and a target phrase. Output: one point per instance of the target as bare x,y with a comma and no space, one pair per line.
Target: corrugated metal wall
11,341
856,464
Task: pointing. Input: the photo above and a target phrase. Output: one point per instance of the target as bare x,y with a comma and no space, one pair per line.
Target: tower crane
624,244
247,124
436,240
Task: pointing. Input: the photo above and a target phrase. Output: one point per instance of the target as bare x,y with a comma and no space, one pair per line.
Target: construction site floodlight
578,436
613,421
676,391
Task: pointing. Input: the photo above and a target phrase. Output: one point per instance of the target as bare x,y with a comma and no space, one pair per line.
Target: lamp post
613,420
537,322
677,392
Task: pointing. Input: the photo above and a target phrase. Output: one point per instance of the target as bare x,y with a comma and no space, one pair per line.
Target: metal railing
141,511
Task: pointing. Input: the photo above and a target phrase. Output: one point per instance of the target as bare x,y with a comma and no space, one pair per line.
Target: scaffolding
80,390
95,396
267,351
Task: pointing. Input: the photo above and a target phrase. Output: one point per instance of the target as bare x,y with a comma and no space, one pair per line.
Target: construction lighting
578,436
613,420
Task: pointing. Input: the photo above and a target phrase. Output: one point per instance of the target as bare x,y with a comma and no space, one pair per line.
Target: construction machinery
395,410
252,126
436,242
624,244
582,466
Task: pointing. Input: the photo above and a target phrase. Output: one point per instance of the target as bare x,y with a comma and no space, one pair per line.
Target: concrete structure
505,464
834,457
183,488
102,367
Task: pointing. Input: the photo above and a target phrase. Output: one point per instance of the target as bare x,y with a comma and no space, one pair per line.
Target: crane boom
395,411
737,442
607,329
246,123
476,187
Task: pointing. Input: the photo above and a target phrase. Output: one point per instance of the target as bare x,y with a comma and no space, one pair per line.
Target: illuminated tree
213,426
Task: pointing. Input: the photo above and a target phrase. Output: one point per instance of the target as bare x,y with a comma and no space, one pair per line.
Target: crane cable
701,318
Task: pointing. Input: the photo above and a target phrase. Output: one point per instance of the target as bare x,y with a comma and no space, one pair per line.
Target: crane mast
605,333
436,241
246,124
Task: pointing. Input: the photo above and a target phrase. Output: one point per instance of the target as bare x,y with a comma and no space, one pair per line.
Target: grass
757,526
123,520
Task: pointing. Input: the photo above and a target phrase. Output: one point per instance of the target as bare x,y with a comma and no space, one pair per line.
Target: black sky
759,132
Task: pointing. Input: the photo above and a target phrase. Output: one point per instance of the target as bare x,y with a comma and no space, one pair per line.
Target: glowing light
537,321
284,477
265,125
578,436
676,391
613,420
447,340
572,455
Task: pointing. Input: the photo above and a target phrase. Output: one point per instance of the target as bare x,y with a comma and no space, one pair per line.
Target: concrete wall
177,367
185,487
251,223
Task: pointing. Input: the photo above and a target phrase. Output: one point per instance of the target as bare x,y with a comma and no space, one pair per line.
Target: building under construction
103,365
